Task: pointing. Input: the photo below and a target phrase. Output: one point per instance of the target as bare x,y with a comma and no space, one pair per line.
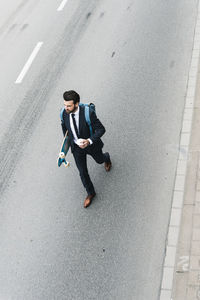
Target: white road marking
62,5
184,262
29,62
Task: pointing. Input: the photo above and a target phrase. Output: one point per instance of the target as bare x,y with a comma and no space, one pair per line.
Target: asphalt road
131,58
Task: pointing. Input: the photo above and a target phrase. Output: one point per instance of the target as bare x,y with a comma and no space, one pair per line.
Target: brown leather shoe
107,166
88,200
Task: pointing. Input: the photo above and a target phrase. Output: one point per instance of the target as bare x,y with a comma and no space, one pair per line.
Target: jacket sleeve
64,129
97,126
62,115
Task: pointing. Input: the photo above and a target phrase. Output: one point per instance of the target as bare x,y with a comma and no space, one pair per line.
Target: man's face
70,107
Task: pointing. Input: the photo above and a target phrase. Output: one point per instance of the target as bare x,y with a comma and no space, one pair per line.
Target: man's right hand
84,144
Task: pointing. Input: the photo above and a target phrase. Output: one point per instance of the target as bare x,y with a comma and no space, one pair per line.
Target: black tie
75,126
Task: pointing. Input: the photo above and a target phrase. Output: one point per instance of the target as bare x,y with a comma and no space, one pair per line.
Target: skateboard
63,151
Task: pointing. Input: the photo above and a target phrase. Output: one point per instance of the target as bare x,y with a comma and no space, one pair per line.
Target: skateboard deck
63,151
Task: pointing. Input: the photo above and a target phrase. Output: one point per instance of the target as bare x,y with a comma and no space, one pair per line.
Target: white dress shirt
76,117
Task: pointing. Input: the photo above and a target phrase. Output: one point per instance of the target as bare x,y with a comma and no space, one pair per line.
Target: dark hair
71,95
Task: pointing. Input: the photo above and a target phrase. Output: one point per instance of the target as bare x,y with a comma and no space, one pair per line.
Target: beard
71,111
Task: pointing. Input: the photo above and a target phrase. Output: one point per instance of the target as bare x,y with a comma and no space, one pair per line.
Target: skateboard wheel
61,155
66,164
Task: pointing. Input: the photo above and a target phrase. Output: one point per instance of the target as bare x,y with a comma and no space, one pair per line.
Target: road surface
131,58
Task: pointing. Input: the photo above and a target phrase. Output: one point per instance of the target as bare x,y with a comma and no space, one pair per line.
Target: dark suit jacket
84,131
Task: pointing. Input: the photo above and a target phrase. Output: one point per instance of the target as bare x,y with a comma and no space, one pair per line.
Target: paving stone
180,286
190,184
196,221
198,293
193,278
197,208
194,145
196,235
197,198
195,262
185,231
198,184
195,249
192,293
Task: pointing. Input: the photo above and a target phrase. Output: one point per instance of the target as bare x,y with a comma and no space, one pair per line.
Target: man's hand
84,144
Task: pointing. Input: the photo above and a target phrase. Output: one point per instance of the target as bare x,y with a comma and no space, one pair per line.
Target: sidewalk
186,283
181,271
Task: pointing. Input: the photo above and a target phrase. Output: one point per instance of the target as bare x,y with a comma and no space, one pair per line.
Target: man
81,142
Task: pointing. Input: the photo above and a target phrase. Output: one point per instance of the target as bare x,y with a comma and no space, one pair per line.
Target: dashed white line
29,62
62,5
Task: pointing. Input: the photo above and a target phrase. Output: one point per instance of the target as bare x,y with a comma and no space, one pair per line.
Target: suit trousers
80,157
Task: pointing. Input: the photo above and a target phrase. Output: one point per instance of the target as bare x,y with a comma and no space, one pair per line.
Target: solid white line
62,5
29,62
